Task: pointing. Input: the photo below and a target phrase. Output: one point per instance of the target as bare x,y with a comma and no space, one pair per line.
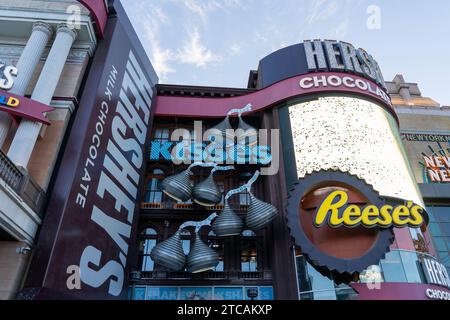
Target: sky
217,42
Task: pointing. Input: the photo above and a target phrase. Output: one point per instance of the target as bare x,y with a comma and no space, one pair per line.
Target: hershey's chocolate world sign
331,55
85,245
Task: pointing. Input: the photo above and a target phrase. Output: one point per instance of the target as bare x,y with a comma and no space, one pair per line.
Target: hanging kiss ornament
259,213
227,223
201,257
169,253
207,193
179,186
249,135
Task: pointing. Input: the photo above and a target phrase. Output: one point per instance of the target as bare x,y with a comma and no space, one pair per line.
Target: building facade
49,58
323,131
425,127
318,181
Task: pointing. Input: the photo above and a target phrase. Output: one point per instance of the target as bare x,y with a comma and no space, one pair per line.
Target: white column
26,66
28,131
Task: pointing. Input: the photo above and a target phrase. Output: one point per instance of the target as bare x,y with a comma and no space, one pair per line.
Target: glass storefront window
411,266
435,230
440,230
441,214
398,266
392,267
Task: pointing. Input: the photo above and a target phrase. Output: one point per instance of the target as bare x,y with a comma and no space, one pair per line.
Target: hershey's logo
435,272
114,207
331,55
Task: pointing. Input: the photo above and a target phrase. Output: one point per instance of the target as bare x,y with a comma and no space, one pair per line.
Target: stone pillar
26,66
28,131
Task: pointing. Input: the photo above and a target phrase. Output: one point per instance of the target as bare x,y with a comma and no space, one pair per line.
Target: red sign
99,12
21,107
304,85
400,291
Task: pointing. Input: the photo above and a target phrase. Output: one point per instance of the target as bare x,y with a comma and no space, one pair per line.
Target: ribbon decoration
247,108
202,164
222,168
198,224
247,186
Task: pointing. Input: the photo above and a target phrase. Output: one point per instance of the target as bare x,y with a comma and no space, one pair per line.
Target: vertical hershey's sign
91,221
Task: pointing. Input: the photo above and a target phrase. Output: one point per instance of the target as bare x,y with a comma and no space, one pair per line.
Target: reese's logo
336,211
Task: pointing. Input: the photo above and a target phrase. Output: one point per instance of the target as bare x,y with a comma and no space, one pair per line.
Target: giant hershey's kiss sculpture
207,193
169,253
201,257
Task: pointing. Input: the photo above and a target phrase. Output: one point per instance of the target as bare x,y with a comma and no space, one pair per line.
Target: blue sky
217,42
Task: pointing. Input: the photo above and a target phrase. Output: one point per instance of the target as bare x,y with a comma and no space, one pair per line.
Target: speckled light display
355,136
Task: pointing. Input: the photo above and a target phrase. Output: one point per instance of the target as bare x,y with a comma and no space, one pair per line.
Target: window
217,244
393,268
439,228
161,134
186,237
244,198
248,251
147,243
154,192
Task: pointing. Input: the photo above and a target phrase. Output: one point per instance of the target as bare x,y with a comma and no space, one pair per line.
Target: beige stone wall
13,265
70,80
424,122
47,147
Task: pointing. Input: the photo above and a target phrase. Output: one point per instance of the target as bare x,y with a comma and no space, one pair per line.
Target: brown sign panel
89,230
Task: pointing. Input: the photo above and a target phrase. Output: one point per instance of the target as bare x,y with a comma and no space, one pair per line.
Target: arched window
249,254
217,244
153,193
147,243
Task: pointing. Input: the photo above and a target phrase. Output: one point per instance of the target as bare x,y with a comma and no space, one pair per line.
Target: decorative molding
62,27
422,110
13,52
63,104
44,27
52,18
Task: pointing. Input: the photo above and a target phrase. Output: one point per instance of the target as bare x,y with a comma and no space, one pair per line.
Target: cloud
160,57
203,8
195,53
342,29
235,49
320,10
